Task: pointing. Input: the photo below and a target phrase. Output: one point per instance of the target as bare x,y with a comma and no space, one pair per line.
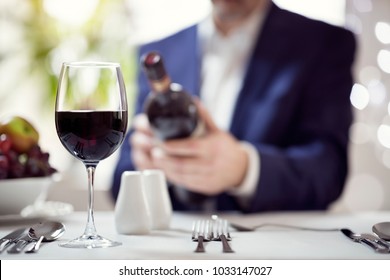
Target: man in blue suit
274,93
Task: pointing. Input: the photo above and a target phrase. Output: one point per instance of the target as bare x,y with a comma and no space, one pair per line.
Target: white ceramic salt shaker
158,198
132,214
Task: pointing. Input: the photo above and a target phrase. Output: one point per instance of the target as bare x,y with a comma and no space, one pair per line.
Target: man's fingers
141,124
206,117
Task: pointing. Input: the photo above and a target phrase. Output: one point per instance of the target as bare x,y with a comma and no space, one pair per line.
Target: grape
34,163
4,167
32,168
45,157
5,143
34,152
12,156
16,170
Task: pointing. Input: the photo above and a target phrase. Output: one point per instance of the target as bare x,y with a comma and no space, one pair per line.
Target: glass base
90,242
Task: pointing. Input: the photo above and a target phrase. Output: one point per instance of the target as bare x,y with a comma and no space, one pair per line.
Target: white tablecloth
175,243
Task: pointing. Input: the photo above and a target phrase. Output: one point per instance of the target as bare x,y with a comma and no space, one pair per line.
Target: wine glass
91,120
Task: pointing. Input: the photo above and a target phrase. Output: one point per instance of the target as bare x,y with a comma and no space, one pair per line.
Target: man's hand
142,142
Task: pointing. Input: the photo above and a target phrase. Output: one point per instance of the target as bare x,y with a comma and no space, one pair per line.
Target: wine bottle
171,111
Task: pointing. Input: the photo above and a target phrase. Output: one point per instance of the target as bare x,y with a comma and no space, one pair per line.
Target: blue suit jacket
294,107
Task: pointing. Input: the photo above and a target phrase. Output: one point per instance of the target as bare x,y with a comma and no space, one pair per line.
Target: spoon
382,230
45,231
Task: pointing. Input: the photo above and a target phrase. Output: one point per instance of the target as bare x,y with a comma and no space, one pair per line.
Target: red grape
4,167
34,163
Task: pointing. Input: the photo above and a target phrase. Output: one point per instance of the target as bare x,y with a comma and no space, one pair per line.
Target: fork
22,242
220,232
201,233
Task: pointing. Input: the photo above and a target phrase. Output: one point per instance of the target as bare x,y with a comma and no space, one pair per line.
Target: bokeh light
377,92
363,6
359,96
383,134
383,59
382,32
354,23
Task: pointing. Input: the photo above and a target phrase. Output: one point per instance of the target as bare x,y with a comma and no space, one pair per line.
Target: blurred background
36,36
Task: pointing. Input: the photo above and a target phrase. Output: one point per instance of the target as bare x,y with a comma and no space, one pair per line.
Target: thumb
206,117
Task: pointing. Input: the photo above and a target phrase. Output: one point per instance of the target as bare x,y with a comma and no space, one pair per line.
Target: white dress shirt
225,59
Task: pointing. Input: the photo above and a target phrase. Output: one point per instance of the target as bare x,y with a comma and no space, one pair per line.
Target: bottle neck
162,85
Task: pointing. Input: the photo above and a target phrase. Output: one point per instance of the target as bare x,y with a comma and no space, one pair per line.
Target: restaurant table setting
145,227
280,235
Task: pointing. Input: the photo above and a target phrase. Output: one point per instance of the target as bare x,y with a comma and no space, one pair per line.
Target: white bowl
16,194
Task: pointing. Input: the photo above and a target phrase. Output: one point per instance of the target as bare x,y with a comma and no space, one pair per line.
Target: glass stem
90,229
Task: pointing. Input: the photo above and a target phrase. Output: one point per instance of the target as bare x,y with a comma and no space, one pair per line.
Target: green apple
22,133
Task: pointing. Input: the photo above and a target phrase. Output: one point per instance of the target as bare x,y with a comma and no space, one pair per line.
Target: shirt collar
241,38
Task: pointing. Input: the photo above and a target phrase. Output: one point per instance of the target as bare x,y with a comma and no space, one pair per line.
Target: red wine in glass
91,120
91,136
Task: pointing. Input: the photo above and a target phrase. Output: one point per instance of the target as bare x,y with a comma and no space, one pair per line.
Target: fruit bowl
25,170
16,194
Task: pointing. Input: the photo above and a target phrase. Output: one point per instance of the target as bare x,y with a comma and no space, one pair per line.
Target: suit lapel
184,63
270,48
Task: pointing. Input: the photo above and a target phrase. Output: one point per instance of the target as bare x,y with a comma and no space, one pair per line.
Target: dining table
175,242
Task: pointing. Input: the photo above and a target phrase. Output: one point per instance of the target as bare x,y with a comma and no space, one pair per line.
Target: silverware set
211,230
29,239
378,244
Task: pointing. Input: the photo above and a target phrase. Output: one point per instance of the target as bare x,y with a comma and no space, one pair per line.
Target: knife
10,238
357,238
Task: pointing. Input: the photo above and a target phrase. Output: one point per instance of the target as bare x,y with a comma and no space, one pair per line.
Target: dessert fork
201,233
